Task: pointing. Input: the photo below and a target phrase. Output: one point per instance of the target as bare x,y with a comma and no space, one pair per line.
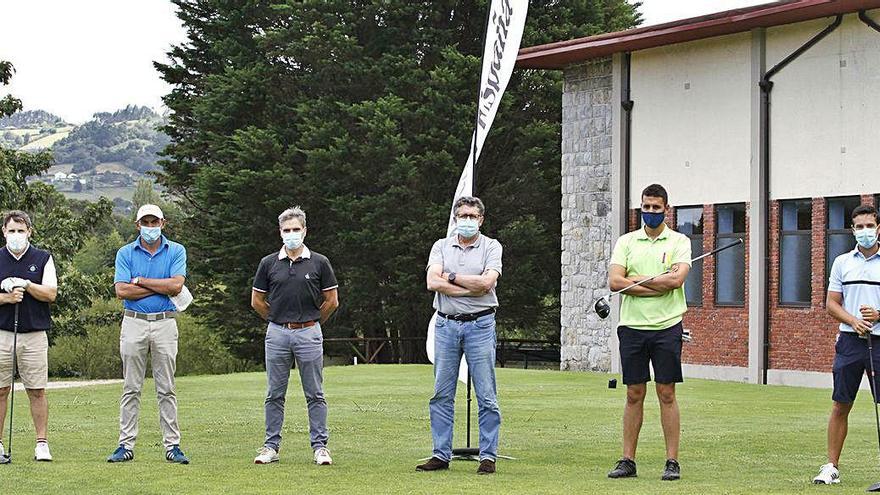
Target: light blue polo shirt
858,279
132,260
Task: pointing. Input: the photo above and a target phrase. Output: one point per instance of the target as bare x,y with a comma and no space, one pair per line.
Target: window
689,221
838,236
730,264
795,259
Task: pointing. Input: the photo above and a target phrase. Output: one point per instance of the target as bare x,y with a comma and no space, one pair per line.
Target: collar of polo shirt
476,243
306,254
857,253
663,234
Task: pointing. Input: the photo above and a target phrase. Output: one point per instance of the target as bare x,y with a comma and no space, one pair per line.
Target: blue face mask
653,220
467,227
292,240
150,234
866,238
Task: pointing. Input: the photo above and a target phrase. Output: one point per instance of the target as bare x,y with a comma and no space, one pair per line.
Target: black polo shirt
295,287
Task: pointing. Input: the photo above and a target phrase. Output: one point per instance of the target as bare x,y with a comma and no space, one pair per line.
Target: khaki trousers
159,338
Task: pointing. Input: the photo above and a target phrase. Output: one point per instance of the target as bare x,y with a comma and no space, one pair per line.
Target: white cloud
660,11
75,58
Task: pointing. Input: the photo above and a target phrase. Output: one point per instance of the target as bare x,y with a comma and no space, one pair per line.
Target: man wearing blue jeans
295,290
462,271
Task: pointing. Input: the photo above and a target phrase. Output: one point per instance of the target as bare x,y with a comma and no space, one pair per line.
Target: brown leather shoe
433,464
487,466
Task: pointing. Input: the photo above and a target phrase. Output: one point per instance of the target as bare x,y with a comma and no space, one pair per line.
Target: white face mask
17,242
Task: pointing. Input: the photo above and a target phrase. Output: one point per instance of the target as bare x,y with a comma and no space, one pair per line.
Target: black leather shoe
626,468
487,466
433,464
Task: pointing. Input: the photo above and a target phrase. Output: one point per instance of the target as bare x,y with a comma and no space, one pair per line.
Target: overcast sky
77,57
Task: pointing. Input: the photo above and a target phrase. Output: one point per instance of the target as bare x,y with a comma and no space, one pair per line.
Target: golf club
7,457
603,309
876,486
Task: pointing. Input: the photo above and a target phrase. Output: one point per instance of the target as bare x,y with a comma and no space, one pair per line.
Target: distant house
59,176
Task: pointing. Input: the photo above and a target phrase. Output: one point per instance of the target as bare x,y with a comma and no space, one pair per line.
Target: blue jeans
476,341
306,345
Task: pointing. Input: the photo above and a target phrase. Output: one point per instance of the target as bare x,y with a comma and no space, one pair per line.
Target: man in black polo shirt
29,282
296,290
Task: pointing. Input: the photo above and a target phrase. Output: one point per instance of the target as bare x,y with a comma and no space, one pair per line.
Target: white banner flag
507,18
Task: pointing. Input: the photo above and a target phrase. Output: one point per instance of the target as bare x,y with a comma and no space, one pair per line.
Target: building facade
760,123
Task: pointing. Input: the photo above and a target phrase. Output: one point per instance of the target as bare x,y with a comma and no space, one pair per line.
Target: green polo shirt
642,256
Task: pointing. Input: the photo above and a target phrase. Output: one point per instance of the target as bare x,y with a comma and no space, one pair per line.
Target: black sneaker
626,468
672,471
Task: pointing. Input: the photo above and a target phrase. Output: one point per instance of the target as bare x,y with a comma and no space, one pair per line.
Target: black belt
467,316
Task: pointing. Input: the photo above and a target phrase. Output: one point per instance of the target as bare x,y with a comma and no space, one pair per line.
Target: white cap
149,210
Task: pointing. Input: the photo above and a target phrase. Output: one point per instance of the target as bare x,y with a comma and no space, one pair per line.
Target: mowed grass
563,429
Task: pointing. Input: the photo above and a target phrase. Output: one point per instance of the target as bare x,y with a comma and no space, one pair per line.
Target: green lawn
562,428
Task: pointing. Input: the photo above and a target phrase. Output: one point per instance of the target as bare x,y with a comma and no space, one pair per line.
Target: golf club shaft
873,385
12,392
698,258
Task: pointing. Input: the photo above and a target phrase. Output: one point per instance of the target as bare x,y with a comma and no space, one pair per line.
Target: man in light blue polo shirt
853,296
149,271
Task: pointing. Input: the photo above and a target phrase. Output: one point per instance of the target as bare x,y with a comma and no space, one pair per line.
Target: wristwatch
136,280
451,277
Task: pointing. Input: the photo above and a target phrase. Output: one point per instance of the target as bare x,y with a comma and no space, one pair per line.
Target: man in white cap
149,271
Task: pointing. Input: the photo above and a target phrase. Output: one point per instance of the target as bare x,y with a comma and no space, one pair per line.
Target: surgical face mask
16,241
468,227
150,234
292,240
653,220
866,237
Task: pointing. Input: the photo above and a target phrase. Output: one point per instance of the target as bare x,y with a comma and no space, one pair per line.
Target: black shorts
662,348
850,364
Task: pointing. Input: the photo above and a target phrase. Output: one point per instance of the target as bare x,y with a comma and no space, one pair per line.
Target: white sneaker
41,452
828,474
2,450
266,455
322,457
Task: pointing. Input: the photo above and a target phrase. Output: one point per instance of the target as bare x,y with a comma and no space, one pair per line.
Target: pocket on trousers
485,322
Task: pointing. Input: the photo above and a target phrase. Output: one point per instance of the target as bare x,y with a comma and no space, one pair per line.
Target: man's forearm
166,286
42,293
131,292
444,287
327,310
473,283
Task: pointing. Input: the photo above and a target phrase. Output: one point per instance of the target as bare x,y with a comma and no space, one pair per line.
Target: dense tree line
32,119
361,112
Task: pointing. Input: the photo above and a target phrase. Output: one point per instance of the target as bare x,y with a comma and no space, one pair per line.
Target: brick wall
721,333
802,338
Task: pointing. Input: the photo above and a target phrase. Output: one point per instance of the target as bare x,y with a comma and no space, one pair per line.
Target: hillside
105,156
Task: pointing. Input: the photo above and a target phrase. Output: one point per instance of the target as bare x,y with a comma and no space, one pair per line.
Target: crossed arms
464,286
617,280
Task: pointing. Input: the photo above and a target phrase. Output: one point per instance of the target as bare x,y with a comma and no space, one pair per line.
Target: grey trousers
136,339
306,345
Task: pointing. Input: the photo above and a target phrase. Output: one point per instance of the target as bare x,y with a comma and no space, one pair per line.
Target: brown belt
293,325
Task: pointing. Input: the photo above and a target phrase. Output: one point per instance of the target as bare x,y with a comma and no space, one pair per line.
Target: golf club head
874,488
5,459
602,308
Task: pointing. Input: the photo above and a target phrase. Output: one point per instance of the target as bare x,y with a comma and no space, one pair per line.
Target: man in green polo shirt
650,328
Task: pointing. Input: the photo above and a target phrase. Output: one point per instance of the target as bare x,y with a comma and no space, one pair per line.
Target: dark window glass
689,221
795,259
730,273
838,236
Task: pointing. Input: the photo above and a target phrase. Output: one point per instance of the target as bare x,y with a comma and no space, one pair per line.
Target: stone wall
586,213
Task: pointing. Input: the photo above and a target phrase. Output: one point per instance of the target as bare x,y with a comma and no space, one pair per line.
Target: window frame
793,233
701,237
732,235
829,232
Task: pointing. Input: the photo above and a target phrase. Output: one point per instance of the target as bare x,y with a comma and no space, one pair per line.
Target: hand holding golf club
602,307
